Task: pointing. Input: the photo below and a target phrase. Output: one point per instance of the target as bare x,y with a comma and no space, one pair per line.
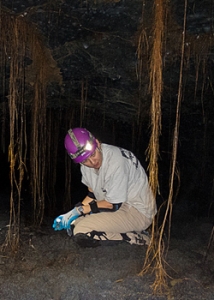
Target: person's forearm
100,204
89,197
87,200
104,204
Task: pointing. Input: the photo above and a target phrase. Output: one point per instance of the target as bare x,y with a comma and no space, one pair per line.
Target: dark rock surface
50,266
95,43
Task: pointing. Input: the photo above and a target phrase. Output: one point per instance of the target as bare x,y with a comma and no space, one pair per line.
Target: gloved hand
64,221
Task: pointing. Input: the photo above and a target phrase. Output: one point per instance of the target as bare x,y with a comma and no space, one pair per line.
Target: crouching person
119,206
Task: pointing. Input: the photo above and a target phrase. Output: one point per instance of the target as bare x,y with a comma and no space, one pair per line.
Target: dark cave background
94,44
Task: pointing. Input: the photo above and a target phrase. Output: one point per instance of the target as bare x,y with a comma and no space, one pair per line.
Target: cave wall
94,45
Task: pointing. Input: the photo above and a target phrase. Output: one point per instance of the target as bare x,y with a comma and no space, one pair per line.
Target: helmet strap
74,139
80,149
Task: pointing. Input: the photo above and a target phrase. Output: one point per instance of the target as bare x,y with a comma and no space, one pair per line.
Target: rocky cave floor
49,265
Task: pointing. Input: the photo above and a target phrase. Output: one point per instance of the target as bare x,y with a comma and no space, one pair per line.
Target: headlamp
80,149
88,146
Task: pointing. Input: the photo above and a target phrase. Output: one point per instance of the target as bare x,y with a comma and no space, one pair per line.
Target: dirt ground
50,266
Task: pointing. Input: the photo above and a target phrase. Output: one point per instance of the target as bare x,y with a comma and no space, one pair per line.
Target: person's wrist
93,206
80,209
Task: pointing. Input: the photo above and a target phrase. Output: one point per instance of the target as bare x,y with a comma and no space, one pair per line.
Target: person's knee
82,227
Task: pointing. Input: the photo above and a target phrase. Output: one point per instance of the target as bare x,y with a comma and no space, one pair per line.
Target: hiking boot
138,238
84,241
146,236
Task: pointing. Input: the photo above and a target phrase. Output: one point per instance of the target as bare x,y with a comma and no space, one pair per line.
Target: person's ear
98,143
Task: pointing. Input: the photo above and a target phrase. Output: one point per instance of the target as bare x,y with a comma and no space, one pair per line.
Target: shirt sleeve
116,184
83,179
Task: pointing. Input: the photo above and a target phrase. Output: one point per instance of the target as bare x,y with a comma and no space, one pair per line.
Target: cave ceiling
94,45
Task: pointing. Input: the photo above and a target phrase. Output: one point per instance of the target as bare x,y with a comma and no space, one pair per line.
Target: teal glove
64,221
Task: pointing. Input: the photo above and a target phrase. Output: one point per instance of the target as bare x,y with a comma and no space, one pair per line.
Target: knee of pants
82,227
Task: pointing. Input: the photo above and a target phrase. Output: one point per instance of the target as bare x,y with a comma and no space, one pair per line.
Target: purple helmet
80,144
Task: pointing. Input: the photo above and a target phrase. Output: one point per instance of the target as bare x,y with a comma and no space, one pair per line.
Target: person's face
95,159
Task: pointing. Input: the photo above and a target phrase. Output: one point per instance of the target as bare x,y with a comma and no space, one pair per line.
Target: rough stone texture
95,43
50,266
